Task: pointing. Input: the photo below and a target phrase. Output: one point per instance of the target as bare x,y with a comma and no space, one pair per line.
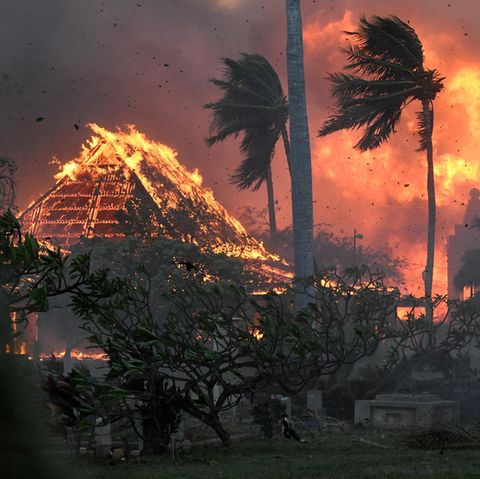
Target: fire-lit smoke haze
147,63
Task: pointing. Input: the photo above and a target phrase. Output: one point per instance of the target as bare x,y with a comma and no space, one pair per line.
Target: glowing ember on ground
74,354
257,334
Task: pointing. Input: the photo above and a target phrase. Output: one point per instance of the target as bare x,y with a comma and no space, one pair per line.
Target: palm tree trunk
271,204
300,160
428,120
286,145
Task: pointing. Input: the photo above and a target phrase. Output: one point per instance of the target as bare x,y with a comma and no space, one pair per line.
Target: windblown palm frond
258,146
388,62
254,105
361,61
392,40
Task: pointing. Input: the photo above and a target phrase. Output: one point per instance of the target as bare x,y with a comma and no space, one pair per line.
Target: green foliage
118,320
165,262
29,274
32,272
22,423
214,342
419,344
193,351
349,455
72,402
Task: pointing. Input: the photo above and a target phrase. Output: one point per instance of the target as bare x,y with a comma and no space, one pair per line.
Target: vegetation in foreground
336,455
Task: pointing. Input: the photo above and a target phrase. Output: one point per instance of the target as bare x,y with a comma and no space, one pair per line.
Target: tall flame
143,155
68,169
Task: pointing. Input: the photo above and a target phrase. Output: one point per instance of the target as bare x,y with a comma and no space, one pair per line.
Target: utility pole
355,237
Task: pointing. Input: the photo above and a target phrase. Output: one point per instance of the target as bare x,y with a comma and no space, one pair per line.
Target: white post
315,402
103,438
139,428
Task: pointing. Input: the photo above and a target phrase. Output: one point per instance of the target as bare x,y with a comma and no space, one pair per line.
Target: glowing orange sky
149,66
383,192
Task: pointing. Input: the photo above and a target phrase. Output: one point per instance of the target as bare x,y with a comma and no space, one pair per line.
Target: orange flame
68,169
140,154
257,334
75,354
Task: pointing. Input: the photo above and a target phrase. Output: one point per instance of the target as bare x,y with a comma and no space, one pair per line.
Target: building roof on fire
124,171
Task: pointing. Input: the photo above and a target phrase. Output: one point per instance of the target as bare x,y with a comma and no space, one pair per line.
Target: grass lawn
335,456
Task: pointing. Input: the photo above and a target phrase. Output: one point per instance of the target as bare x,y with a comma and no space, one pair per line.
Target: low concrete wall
397,411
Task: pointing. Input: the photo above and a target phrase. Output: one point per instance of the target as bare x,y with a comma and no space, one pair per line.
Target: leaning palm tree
300,156
388,62
254,105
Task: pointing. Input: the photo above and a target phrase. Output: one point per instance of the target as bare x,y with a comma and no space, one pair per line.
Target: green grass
336,456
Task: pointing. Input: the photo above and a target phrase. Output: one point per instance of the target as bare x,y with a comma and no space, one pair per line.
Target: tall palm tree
388,60
253,104
300,158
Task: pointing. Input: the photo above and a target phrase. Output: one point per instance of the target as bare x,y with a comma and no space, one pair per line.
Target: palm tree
253,104
388,59
300,159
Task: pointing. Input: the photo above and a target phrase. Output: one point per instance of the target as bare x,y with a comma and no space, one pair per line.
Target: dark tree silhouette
253,104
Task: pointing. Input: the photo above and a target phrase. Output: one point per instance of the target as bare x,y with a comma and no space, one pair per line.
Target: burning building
466,238
124,173
123,170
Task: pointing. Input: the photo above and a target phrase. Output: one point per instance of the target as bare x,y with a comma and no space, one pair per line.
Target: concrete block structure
314,402
406,411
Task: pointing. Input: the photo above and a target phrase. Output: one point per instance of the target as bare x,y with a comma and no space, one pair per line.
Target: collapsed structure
123,169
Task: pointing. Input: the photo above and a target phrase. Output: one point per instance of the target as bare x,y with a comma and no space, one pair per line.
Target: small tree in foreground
118,320
218,343
420,344
71,401
30,274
